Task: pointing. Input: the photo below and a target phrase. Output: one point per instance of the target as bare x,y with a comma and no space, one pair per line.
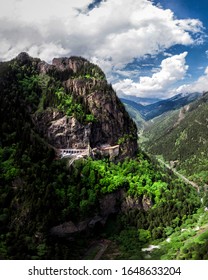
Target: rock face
86,83
113,121
138,203
110,204
72,64
62,131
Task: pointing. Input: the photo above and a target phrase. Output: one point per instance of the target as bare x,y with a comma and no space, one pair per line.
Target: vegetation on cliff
38,191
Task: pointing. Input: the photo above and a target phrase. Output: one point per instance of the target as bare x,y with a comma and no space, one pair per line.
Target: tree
144,235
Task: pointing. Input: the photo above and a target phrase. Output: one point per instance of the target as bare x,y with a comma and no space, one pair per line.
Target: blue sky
195,78
197,57
146,48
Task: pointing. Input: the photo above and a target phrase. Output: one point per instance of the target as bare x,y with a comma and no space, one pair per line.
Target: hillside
62,101
155,109
133,109
176,102
181,136
53,208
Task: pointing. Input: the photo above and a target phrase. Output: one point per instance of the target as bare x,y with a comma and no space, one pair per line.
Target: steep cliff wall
87,85
61,131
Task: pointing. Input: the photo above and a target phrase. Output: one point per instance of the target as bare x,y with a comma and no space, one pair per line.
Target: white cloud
167,54
192,25
38,11
125,30
172,70
128,73
112,34
200,85
40,27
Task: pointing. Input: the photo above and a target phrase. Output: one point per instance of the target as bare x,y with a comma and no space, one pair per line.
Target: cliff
108,122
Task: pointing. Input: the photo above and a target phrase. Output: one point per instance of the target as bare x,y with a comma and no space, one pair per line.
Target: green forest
39,191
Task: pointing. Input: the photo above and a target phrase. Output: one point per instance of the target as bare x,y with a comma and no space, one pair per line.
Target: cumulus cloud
41,28
112,34
124,33
172,70
200,85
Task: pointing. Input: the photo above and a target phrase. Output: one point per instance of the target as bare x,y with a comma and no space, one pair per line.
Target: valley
197,187
179,137
178,140
75,180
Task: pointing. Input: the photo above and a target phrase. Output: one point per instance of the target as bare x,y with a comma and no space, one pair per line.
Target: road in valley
186,180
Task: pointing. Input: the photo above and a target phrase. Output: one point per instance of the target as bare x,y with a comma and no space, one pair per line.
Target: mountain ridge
155,109
185,131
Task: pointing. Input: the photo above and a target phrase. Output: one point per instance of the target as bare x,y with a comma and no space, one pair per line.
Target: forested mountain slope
182,136
133,109
50,210
69,103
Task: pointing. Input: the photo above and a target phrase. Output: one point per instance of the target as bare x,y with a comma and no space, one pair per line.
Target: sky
146,48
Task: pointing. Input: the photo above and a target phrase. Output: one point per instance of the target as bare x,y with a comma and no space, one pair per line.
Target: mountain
181,136
86,115
153,110
134,110
137,106
72,178
141,100
45,109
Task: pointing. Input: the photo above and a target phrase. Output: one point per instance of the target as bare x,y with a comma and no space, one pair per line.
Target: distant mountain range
141,100
153,110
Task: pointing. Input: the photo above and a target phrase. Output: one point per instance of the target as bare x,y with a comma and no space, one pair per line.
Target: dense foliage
33,202
39,191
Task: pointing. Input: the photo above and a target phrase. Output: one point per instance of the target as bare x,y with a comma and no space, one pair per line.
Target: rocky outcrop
69,228
111,203
113,122
86,83
136,203
104,120
62,131
72,64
